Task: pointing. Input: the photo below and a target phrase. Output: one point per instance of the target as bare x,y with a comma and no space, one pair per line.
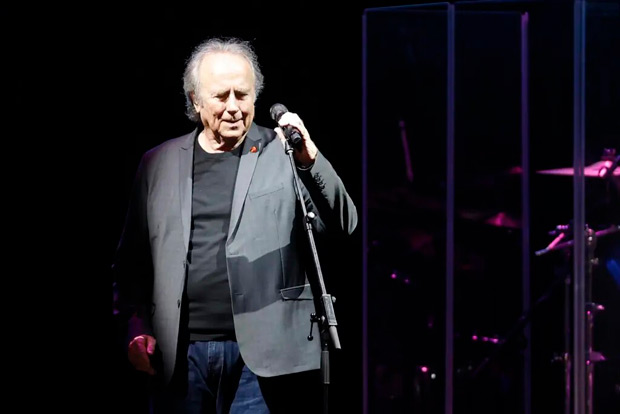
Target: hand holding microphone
291,128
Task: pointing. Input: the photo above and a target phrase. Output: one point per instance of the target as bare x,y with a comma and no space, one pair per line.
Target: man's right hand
140,348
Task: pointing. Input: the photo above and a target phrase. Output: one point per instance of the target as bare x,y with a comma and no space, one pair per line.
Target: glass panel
531,117
488,243
405,118
551,120
602,204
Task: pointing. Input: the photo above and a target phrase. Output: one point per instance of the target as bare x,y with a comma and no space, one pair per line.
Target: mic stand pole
326,321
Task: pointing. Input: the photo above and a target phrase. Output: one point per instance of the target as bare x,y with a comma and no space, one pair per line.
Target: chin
233,133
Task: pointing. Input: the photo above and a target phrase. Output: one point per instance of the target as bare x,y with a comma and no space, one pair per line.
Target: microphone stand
326,321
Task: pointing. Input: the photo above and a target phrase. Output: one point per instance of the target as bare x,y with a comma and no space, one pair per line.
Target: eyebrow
227,91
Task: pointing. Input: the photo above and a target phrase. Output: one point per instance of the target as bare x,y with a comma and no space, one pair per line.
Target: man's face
226,96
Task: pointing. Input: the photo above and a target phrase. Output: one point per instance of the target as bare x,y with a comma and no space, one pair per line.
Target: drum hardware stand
592,357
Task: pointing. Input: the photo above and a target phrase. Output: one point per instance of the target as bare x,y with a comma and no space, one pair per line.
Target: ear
195,101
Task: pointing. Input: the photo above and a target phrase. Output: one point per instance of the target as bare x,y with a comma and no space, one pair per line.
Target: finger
150,345
290,118
280,134
137,344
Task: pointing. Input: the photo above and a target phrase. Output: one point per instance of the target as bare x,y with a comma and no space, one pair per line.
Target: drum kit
606,169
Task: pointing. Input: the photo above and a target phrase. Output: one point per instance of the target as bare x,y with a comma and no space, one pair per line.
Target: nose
231,104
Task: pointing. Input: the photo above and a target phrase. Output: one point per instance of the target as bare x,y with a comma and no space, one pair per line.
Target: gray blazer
271,297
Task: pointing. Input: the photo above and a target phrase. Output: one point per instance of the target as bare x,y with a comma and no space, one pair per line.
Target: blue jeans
218,382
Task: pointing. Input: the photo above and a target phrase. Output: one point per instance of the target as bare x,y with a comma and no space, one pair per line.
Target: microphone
291,133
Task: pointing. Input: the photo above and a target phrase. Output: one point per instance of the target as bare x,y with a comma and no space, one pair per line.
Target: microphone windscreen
277,110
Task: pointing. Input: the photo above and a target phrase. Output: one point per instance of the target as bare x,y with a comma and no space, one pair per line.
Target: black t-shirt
208,291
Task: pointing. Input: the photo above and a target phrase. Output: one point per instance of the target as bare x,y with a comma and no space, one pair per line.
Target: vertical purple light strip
449,368
525,209
365,377
579,306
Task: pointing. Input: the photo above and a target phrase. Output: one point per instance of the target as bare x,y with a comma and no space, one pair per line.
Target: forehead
221,66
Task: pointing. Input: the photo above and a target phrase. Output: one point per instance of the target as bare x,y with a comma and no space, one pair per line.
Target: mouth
234,124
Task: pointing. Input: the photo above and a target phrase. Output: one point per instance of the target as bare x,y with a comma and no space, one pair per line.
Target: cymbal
491,218
503,219
595,170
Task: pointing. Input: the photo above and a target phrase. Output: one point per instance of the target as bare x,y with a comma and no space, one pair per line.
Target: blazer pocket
265,191
301,292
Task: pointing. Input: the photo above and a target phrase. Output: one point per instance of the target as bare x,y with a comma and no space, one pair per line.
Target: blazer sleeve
132,268
327,197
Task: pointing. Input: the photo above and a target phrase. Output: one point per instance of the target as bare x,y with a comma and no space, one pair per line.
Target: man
210,268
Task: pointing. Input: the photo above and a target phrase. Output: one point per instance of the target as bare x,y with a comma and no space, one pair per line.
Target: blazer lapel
186,162
249,155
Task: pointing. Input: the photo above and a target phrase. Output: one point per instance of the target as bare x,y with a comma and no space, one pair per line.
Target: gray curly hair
213,45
